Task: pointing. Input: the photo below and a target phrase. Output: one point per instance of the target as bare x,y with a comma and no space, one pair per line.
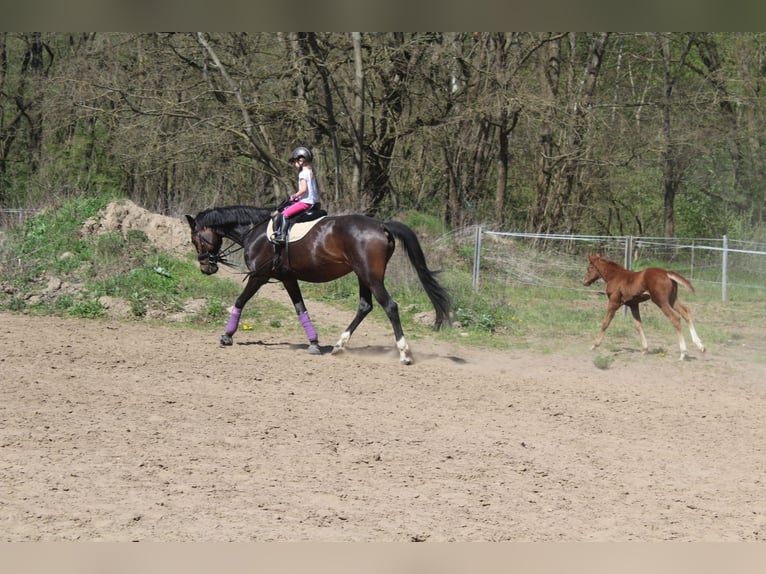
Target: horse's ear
192,222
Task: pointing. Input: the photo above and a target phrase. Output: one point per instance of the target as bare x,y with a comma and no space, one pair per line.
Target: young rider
306,196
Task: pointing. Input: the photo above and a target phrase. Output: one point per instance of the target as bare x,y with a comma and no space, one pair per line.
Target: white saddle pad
297,230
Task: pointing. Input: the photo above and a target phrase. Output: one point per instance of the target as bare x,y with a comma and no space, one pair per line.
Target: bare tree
358,133
672,169
559,193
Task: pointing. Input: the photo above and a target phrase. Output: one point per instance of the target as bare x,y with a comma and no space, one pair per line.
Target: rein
221,257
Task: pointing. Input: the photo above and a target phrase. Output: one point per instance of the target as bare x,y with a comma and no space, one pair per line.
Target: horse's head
592,274
208,244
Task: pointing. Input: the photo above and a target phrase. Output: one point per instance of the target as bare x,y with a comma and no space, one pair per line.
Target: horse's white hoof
336,349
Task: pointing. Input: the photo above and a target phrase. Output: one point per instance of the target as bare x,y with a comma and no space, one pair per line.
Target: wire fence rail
724,262
10,216
13,217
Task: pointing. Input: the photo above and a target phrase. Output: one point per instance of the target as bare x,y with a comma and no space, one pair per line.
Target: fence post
628,263
476,257
725,269
691,265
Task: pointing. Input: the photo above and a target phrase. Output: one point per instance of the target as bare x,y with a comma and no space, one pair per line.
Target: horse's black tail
436,293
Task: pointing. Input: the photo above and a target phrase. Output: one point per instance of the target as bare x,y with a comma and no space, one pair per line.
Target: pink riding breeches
295,208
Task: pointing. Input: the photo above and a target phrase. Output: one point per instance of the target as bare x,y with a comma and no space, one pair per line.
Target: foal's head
592,274
207,243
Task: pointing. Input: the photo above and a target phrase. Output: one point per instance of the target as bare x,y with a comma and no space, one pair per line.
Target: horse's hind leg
383,297
668,310
392,311
684,311
365,306
639,326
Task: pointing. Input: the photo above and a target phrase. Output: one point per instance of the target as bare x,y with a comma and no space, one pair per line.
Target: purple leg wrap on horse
307,326
231,326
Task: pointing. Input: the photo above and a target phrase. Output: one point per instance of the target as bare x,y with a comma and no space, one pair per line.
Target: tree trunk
358,122
320,63
671,172
577,190
550,71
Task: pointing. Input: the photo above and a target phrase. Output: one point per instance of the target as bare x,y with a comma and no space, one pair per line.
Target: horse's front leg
294,291
253,284
610,311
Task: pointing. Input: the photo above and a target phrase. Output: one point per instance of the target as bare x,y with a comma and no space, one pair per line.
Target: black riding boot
279,229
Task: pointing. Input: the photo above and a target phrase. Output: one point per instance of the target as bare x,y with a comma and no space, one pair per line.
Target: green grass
125,266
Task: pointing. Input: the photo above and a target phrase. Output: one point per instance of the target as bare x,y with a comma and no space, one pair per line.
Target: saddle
298,226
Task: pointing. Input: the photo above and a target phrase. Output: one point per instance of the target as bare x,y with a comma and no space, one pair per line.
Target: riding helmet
303,152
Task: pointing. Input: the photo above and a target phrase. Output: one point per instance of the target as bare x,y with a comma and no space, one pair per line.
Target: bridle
213,255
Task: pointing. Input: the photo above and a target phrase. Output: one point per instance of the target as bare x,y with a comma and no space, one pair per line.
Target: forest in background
549,132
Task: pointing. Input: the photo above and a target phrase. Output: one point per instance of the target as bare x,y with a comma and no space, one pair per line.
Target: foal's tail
436,293
678,278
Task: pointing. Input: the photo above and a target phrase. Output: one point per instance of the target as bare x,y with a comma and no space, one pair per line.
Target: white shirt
312,188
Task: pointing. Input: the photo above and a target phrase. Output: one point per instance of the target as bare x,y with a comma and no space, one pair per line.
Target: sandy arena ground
126,431
120,431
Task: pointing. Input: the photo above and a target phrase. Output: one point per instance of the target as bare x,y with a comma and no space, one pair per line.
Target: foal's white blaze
404,351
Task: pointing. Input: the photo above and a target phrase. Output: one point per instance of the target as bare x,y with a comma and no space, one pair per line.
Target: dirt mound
167,233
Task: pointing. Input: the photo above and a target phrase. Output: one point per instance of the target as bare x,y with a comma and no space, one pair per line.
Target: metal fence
711,260
14,216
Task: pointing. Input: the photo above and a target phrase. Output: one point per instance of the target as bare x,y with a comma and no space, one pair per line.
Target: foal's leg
294,291
668,310
365,306
611,309
253,284
684,311
639,327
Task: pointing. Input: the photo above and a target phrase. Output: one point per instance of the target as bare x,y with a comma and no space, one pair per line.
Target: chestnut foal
624,287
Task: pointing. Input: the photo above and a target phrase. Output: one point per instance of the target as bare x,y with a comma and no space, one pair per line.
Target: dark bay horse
624,287
332,248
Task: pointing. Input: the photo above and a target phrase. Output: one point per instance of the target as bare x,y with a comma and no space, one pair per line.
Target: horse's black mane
232,215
